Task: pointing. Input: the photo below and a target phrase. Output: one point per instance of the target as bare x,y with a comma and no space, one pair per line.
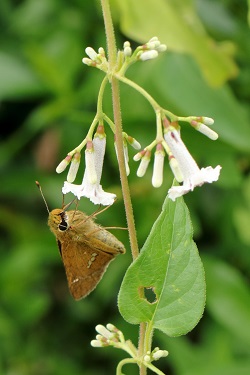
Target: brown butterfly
86,248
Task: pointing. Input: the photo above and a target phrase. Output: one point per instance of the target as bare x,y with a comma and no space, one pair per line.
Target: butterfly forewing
86,249
84,268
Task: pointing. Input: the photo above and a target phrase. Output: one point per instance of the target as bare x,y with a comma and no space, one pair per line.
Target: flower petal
95,193
192,175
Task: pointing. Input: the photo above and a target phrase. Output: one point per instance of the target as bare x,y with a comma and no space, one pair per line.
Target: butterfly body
86,249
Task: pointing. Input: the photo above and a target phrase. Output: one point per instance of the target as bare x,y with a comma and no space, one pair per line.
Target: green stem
100,96
159,135
123,175
118,123
148,337
110,34
110,122
154,369
122,363
119,139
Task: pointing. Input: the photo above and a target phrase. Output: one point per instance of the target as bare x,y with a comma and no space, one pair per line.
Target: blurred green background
48,99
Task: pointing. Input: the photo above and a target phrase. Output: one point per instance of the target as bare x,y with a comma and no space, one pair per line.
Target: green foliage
169,265
214,60
48,99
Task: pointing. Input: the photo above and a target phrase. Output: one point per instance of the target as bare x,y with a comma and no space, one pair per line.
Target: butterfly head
58,219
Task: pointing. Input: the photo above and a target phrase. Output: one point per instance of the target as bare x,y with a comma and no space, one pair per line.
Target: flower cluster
167,142
96,59
94,157
90,186
112,336
185,168
151,49
156,354
147,51
108,336
182,164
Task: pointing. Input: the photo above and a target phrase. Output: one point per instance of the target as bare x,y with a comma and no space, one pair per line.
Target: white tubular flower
90,163
157,177
204,129
126,157
143,164
63,165
192,175
93,191
73,169
175,169
207,131
133,142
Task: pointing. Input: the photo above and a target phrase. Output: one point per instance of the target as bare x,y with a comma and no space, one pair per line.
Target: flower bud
74,167
161,48
63,165
90,163
101,51
139,155
148,55
207,131
133,142
96,343
153,39
153,45
144,164
200,127
127,49
158,166
159,354
207,121
103,331
91,53
111,327
175,169
126,158
88,62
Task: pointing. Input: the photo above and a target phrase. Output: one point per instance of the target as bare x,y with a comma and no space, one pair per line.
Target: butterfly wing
84,266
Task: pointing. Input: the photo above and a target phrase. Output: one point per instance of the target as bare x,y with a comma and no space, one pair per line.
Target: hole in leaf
149,294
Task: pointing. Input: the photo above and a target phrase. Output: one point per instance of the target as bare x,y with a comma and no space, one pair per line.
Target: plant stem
118,123
122,363
112,51
100,96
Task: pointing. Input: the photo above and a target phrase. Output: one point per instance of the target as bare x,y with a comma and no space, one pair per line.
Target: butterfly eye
63,224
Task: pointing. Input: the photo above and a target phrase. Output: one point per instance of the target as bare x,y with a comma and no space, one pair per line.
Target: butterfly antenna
39,187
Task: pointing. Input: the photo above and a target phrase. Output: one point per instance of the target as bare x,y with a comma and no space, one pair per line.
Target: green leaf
169,264
177,24
228,297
